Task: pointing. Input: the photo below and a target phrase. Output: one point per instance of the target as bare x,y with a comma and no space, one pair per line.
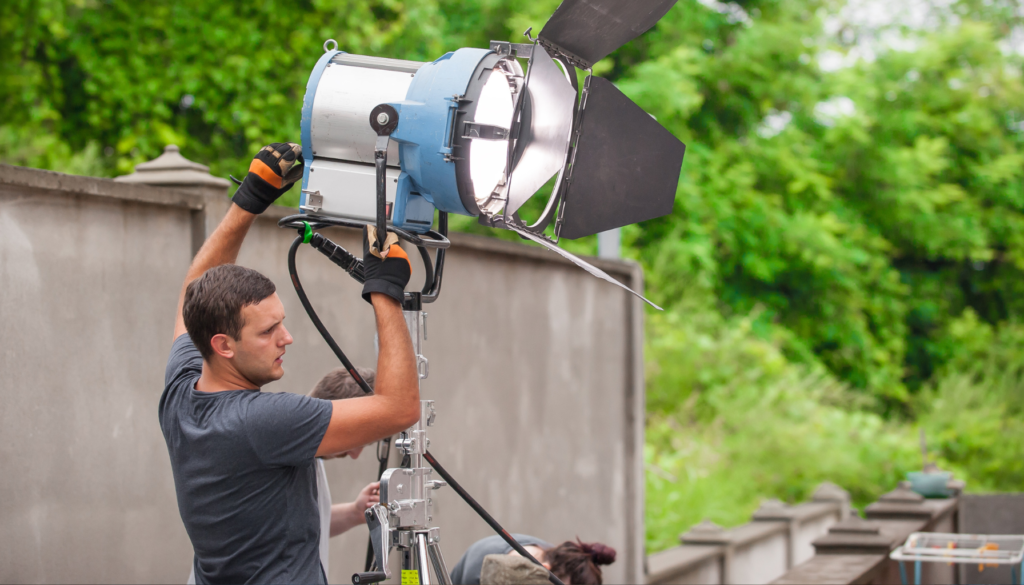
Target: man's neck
221,378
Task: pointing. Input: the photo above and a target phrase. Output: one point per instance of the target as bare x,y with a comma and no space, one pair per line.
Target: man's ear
223,345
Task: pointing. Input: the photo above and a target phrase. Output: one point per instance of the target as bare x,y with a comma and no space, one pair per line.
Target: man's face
353,453
259,351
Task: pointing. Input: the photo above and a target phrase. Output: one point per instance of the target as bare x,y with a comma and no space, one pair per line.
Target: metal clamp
520,50
422,366
314,201
474,131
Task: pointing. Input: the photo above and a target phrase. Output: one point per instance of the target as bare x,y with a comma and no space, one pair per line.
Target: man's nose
287,339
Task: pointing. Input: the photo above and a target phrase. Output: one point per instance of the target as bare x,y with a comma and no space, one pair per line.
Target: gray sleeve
184,359
457,572
284,429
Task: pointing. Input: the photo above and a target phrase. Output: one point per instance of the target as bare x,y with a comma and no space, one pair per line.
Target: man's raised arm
220,248
271,174
395,404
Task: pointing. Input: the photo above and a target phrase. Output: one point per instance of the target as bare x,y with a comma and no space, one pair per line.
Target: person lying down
491,561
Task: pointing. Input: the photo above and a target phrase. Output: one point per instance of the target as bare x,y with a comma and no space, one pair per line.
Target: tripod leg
440,569
421,559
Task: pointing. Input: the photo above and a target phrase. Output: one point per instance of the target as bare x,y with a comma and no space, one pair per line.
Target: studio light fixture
475,134
393,143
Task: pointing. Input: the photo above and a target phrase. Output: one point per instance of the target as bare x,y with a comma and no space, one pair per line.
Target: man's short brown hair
214,302
339,385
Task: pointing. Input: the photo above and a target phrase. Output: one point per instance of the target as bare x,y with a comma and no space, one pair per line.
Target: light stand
401,519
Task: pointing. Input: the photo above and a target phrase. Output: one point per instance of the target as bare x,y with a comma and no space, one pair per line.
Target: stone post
773,510
170,169
854,535
707,532
830,492
901,503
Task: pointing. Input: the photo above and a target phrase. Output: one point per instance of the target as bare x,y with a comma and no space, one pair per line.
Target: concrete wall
806,533
757,552
535,367
990,514
760,561
845,557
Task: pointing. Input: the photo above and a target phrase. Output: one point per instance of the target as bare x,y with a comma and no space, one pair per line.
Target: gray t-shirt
467,570
245,476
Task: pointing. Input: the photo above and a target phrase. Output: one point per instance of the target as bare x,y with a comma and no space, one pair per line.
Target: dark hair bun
599,553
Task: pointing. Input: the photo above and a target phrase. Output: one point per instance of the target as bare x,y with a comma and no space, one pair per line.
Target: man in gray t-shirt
245,475
243,460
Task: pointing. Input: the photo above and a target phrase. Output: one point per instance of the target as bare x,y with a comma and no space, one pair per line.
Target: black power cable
486,516
351,264
316,320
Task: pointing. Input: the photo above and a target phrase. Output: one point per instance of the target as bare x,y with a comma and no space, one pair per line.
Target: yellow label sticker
410,577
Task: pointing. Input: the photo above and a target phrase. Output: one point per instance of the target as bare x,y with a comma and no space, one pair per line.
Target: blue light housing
435,162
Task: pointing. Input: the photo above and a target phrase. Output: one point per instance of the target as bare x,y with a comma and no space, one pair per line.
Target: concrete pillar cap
773,509
830,492
854,524
170,169
902,494
707,532
706,526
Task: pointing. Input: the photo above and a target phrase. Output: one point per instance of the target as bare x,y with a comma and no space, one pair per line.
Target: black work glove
272,173
387,275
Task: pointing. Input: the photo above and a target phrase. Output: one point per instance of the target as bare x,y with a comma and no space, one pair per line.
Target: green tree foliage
754,425
974,409
219,79
862,230
843,265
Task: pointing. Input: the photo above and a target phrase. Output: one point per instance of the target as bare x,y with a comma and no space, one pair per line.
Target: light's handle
380,537
383,120
380,159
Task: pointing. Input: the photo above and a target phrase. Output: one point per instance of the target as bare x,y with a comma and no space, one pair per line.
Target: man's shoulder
184,366
278,407
184,357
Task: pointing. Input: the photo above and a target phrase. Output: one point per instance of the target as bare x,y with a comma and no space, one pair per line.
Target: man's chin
276,374
265,378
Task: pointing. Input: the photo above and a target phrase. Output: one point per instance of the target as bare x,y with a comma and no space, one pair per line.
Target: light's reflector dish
546,125
487,158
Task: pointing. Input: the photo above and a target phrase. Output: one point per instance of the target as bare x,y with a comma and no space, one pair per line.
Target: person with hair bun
575,563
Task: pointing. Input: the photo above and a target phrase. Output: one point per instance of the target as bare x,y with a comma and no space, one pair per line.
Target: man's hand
272,173
386,271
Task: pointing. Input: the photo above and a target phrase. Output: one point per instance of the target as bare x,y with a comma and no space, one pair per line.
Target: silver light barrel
349,88
348,184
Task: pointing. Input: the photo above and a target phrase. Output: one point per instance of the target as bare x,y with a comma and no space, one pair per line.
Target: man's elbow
410,414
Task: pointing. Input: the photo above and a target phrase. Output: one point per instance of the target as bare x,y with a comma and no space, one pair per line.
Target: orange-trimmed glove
273,171
386,271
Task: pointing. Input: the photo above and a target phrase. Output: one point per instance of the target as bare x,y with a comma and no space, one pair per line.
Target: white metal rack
980,549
